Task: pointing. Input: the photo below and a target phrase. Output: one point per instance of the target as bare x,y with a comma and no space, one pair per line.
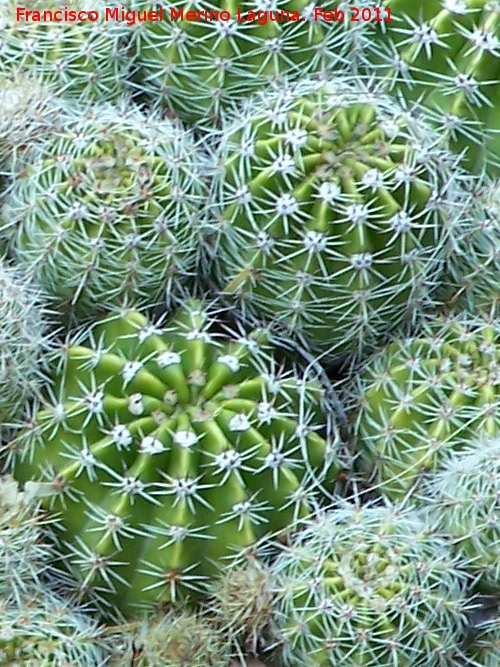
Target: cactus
462,503
178,638
108,210
368,585
484,649
200,67
28,109
421,398
84,59
473,276
164,450
24,342
47,631
25,547
333,211
447,55
242,600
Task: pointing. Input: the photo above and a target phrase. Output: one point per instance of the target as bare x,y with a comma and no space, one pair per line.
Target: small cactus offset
368,585
446,53
24,341
421,398
109,209
334,206
201,67
47,631
462,502
178,638
85,59
163,450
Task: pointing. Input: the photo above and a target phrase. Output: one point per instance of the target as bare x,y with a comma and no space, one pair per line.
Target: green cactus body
108,209
24,342
421,398
201,66
448,55
484,649
462,503
166,450
84,59
180,638
335,206
368,586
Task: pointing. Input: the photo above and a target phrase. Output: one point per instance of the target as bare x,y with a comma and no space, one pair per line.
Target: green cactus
473,279
200,67
24,342
368,585
484,649
461,500
164,450
179,638
109,209
84,59
333,208
421,398
447,54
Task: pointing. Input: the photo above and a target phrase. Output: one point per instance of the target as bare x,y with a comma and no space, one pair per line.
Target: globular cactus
85,59
446,53
368,585
423,397
24,341
163,450
333,207
47,631
109,209
200,66
461,500
178,638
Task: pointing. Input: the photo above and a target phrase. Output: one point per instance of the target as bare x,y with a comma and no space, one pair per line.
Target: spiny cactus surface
462,501
199,66
109,209
178,638
447,53
24,341
368,585
421,398
163,450
86,59
334,206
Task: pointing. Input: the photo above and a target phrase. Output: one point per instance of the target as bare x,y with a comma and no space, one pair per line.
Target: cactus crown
109,209
334,207
188,444
367,585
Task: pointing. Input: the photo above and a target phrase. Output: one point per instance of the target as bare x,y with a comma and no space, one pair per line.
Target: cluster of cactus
318,187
